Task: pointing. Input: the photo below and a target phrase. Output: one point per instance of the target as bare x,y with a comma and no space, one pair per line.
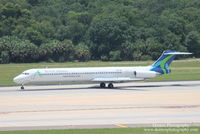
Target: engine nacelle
145,74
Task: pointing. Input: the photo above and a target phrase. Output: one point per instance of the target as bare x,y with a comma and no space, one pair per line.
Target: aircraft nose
17,80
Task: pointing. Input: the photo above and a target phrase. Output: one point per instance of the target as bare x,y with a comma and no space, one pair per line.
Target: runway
134,104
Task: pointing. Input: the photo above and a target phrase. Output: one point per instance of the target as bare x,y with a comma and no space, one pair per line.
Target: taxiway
88,106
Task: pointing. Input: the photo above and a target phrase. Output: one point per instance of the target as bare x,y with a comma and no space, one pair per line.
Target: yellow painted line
121,125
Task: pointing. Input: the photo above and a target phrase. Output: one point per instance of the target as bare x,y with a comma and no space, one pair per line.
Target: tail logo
162,64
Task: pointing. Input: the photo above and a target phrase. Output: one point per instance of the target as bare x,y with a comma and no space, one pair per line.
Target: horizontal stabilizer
176,53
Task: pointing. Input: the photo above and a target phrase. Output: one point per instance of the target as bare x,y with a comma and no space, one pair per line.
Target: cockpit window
25,73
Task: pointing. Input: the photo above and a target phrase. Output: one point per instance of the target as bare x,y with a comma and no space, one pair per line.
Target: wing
117,79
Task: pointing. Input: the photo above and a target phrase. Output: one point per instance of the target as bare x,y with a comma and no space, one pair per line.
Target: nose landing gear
22,87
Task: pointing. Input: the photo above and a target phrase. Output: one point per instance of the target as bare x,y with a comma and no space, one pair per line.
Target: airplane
100,75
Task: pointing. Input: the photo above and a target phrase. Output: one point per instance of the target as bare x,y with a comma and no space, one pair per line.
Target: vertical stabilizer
162,64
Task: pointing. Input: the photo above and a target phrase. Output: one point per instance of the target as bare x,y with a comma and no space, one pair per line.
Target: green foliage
82,52
4,57
193,42
104,58
33,2
115,55
106,34
17,50
57,51
106,29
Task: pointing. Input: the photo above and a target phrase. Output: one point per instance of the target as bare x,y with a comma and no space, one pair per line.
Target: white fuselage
95,74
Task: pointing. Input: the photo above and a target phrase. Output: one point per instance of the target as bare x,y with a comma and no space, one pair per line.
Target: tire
102,85
110,85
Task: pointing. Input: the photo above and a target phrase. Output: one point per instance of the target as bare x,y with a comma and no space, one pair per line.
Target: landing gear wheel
110,85
102,85
22,87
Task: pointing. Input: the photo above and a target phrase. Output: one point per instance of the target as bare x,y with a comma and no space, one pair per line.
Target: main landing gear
103,85
110,85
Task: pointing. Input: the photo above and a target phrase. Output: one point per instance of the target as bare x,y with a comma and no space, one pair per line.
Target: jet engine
145,74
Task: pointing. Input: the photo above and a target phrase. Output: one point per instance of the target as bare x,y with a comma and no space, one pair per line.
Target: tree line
68,30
